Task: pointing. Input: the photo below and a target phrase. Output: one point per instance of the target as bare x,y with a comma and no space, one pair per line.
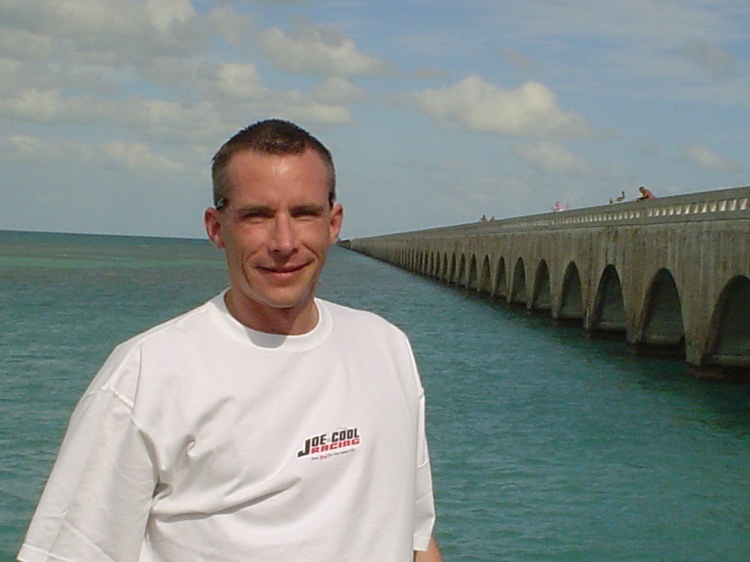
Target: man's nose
283,239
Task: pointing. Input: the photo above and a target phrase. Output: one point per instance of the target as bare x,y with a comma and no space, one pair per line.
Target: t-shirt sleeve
96,502
424,514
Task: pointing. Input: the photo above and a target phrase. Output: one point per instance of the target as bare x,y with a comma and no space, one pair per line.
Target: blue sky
437,112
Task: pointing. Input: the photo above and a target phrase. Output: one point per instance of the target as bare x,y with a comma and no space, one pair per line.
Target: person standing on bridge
645,194
266,424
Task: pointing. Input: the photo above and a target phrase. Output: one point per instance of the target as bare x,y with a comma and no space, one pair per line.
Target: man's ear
212,222
336,220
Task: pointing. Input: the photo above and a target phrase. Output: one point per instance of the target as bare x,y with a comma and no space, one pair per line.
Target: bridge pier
669,274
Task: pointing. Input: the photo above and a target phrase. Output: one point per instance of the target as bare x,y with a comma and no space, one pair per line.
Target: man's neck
292,321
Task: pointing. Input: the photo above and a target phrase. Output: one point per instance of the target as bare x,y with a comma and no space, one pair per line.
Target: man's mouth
282,270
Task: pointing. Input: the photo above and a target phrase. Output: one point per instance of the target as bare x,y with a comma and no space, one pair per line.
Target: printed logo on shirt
324,445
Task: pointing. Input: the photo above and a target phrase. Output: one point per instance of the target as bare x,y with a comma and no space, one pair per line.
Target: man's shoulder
344,315
190,323
344,311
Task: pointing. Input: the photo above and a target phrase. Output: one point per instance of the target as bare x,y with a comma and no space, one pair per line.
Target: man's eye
254,216
307,214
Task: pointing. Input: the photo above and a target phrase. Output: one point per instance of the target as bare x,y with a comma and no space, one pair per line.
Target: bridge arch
662,326
729,342
485,277
445,271
609,308
500,289
451,274
541,294
471,281
571,296
517,293
461,274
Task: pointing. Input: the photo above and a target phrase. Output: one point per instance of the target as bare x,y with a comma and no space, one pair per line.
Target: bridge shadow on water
614,340
723,395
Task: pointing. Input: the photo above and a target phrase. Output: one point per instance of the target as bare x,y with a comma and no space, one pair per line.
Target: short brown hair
271,136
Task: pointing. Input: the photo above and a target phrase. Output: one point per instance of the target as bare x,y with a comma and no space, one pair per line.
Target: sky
437,112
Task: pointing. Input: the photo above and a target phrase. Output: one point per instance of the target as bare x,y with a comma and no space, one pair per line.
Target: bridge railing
724,204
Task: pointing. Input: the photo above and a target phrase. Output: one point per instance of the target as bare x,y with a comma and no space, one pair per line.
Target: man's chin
287,303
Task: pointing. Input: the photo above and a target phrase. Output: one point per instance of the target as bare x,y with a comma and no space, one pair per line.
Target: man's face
276,228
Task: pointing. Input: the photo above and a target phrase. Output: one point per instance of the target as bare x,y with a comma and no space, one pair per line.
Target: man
645,194
265,425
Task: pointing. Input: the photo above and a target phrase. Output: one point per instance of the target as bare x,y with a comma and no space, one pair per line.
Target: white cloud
175,122
164,120
101,31
237,88
551,158
165,13
242,91
704,157
240,81
149,119
138,158
24,45
528,111
19,145
36,105
316,50
146,67
299,107
710,57
232,26
339,90
34,149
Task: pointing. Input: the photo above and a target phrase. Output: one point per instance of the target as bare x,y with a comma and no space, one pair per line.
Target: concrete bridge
670,275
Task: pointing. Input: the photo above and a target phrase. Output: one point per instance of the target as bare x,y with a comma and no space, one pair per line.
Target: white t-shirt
201,439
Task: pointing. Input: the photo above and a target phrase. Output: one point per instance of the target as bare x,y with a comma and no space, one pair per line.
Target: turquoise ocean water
546,445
